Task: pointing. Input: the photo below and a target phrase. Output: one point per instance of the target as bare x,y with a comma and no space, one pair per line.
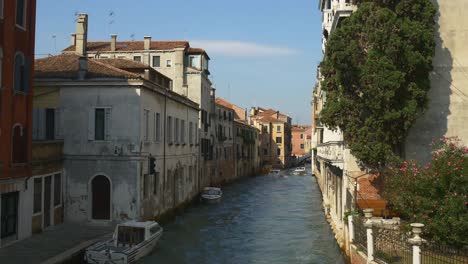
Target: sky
263,52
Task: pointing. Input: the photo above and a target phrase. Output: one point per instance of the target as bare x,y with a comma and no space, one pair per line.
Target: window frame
168,63
22,89
23,27
137,56
2,6
103,124
153,60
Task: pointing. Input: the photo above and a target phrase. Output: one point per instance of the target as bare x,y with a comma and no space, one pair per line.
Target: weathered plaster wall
447,111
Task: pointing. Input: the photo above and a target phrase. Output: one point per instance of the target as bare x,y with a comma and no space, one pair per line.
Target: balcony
47,156
331,152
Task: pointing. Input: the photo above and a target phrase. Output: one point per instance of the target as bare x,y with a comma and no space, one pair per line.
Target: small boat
131,241
300,171
211,194
275,171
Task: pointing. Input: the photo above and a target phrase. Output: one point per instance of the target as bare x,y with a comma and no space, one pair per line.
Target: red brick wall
16,108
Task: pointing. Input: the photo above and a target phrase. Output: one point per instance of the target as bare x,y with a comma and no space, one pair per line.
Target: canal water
266,219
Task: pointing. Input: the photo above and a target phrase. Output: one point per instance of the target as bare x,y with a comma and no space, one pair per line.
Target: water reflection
269,219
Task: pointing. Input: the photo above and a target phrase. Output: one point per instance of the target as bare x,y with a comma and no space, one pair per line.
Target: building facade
275,137
17,36
224,146
299,140
188,68
130,143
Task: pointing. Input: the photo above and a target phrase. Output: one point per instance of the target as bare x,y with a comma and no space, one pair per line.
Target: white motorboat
131,241
300,171
275,171
211,194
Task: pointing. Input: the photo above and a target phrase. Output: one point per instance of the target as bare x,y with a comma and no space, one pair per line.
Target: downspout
164,148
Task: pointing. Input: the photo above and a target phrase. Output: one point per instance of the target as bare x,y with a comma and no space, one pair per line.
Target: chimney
82,67
81,34
73,39
113,42
147,43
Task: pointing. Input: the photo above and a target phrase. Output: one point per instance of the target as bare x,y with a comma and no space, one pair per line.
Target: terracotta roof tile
67,66
94,46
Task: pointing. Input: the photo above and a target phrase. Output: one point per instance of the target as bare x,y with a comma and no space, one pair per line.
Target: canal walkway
55,244
261,220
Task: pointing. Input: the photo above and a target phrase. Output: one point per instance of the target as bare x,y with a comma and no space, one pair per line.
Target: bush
436,194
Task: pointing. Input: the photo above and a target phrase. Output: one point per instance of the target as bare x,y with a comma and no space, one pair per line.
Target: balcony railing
331,151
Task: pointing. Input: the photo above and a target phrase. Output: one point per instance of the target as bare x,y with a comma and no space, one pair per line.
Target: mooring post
370,239
416,241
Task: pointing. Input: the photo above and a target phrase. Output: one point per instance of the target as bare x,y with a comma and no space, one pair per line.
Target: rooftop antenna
111,20
132,37
54,37
76,16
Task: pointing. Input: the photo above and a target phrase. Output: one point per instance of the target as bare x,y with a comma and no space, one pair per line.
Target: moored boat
131,241
300,171
211,194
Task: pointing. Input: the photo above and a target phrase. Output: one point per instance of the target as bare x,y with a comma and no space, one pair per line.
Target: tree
436,194
376,75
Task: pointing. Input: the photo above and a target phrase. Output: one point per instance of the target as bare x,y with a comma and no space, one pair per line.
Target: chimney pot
113,42
147,42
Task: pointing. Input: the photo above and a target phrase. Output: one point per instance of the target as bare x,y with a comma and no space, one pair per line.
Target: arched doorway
101,198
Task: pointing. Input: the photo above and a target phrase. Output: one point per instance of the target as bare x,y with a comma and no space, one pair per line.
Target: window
169,129
146,185
50,123
37,195
278,151
168,63
156,183
224,115
99,124
230,116
57,189
265,151
302,146
302,136
19,142
176,133
21,81
278,129
182,131
146,128
157,127
194,61
20,13
190,132
137,58
279,140
1,8
156,61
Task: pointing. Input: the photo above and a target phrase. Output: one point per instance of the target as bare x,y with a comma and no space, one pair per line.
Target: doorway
100,192
9,214
47,200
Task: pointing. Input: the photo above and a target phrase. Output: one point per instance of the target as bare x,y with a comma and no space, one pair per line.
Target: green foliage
435,195
376,75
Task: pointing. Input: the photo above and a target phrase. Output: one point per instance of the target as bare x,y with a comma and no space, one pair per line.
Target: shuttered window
99,123
157,127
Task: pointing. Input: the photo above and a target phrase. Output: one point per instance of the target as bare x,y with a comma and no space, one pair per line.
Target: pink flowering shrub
434,194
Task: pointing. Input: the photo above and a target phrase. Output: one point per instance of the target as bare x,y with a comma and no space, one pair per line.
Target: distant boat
275,171
300,171
211,194
131,241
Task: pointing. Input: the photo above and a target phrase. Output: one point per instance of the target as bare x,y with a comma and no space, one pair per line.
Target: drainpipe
164,147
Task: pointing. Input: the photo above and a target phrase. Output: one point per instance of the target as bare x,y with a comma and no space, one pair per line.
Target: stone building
188,68
299,140
130,143
224,146
17,36
275,137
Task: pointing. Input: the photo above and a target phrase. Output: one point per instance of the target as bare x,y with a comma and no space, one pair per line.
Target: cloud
240,48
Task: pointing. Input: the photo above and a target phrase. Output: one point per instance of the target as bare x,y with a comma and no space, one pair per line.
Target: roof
223,102
124,63
94,46
68,66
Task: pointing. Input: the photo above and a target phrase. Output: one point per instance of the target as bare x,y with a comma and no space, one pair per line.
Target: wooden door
100,188
47,200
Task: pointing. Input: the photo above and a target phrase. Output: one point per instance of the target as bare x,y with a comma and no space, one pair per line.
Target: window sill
16,92
23,28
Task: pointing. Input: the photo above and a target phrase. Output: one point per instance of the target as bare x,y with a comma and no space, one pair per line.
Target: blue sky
263,52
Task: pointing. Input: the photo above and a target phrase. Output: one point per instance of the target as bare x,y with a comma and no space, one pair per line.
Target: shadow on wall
433,123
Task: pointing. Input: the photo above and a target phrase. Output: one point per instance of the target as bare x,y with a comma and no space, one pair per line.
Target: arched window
19,144
21,74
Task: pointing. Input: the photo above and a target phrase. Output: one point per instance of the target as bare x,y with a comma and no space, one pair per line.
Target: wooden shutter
91,123
41,114
107,125
35,128
58,124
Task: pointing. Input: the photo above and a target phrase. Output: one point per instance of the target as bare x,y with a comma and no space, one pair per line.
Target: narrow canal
267,219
